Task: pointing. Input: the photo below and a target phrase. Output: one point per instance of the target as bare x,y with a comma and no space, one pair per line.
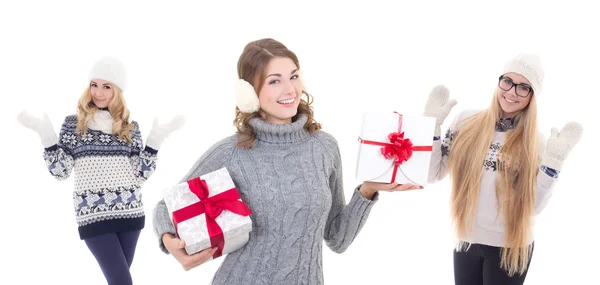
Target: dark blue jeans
480,265
114,253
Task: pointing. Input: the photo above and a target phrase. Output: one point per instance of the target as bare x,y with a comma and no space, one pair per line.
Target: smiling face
102,92
514,93
281,91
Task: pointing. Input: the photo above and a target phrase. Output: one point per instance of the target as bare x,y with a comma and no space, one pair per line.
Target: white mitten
560,144
439,106
43,127
159,132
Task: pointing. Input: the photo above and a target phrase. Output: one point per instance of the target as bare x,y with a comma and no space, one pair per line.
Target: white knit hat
529,66
110,69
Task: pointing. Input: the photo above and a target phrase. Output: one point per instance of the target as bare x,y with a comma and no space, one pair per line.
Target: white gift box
194,231
372,164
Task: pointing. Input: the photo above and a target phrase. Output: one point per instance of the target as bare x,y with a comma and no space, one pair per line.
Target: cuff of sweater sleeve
361,199
53,147
550,171
150,150
154,142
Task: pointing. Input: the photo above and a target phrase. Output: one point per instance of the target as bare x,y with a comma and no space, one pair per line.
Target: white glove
159,132
559,145
439,106
43,127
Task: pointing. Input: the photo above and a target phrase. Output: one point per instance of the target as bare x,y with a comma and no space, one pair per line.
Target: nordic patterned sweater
108,173
292,182
489,226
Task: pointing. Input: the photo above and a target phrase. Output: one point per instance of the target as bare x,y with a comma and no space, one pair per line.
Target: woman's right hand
43,127
438,106
177,248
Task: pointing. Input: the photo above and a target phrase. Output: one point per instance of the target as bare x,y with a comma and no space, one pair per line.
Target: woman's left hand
560,144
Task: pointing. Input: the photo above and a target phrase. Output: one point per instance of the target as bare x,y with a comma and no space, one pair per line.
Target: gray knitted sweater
292,181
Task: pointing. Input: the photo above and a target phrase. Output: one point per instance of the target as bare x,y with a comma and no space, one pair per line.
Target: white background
365,56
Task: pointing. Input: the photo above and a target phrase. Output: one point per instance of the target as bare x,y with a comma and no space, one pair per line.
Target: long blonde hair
517,165
252,67
117,108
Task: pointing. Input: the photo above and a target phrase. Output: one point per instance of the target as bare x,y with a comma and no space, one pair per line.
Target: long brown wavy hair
252,67
518,161
117,108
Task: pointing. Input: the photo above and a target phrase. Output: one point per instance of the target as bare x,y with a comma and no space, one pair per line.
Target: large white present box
200,221
374,141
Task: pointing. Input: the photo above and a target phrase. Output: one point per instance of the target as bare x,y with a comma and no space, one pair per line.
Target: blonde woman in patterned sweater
105,151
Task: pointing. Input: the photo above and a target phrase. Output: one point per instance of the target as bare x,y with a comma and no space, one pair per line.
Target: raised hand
43,127
439,106
560,144
159,132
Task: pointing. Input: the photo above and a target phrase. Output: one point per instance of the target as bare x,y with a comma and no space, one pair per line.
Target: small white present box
207,212
395,148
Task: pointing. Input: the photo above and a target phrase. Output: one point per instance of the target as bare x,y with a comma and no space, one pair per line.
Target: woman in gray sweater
287,170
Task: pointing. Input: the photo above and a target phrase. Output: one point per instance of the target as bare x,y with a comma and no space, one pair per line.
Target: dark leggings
480,265
114,253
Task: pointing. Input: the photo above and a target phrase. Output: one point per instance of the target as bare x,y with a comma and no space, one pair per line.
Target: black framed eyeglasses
522,90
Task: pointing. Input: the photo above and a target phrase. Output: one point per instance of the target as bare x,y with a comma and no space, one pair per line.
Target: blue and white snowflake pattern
87,138
69,139
104,138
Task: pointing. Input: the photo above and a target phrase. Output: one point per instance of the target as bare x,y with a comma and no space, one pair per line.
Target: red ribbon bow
212,207
399,148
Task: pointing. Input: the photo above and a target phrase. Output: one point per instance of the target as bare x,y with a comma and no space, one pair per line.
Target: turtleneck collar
280,133
102,121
